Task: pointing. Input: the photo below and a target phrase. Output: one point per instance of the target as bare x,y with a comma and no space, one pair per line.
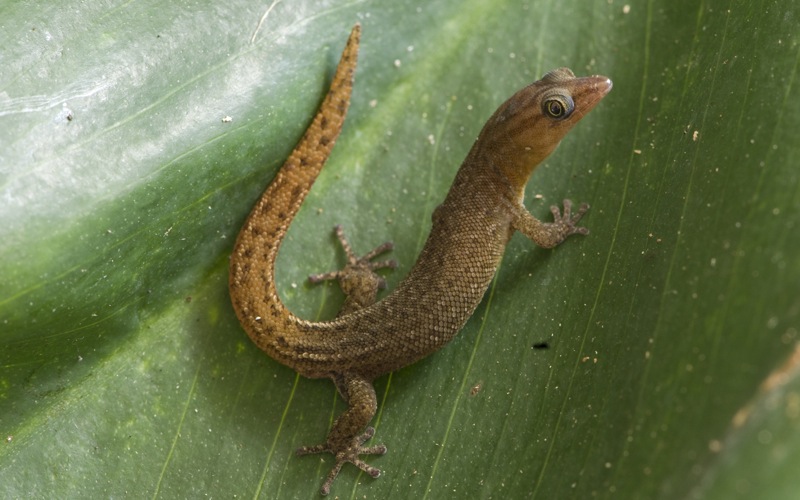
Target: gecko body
469,233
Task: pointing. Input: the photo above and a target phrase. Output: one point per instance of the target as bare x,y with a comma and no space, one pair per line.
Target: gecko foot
567,222
358,279
346,453
354,261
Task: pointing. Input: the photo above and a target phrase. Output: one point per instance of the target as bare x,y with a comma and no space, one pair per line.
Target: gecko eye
558,107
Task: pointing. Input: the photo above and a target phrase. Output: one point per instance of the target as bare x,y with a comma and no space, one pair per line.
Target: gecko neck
512,164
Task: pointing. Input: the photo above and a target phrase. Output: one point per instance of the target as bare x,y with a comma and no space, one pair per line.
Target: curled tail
252,268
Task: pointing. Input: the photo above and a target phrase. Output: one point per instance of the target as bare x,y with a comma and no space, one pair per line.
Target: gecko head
565,98
529,126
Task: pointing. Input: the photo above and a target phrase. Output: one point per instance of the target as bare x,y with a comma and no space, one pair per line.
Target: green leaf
672,367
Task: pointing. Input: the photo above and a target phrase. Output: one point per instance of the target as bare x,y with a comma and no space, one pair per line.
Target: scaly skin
430,306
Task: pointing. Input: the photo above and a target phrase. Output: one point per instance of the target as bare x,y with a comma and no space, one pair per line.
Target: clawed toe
372,471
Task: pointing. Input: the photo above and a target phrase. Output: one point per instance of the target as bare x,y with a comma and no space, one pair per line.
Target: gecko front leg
550,234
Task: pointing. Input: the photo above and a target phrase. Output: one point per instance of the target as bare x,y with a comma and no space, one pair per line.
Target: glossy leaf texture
136,136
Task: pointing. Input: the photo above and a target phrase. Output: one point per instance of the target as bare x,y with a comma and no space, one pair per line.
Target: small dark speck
188,299
476,389
541,345
69,117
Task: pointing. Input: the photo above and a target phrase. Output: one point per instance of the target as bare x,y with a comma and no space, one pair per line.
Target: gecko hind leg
357,278
345,439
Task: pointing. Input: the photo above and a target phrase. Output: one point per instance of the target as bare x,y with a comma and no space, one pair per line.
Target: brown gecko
469,233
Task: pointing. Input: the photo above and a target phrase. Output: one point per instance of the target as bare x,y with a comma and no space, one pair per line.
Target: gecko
469,232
